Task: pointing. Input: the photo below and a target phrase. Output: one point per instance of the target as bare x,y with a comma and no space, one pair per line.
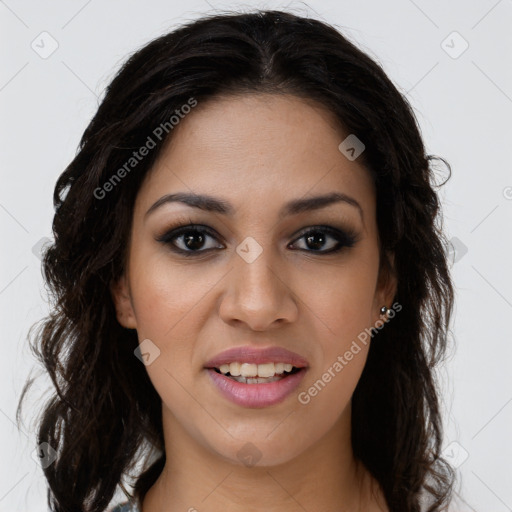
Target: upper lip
254,355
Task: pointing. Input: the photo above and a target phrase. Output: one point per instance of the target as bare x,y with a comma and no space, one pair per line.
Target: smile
248,373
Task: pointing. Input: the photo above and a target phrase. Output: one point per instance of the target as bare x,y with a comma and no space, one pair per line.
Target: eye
317,238
189,239
193,239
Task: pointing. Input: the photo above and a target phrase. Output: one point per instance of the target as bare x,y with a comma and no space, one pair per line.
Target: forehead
257,149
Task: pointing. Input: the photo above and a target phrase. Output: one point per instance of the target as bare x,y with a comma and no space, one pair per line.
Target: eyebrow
217,205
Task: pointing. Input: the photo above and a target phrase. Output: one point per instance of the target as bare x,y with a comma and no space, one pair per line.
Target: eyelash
345,238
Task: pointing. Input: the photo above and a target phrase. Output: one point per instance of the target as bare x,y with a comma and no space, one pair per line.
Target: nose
257,294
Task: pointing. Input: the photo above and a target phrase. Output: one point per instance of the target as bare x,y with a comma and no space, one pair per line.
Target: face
263,267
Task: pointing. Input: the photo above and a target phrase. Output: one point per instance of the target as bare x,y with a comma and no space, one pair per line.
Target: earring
384,310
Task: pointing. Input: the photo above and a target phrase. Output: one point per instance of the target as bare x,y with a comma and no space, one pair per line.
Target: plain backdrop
451,59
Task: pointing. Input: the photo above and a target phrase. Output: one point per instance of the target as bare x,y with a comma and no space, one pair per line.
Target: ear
386,284
121,297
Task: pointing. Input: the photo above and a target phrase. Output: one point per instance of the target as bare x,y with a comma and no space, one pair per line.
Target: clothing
125,507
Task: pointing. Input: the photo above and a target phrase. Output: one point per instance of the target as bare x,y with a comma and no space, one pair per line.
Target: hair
104,413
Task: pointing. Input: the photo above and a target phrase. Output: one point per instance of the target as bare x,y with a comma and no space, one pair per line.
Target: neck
323,477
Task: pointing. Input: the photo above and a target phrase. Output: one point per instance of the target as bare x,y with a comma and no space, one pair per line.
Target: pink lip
256,395
248,354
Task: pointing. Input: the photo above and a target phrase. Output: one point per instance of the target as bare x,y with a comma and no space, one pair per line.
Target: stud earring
384,310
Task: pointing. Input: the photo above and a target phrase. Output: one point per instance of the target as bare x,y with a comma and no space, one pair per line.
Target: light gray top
126,507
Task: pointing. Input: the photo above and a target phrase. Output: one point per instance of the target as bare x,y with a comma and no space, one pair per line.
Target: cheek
341,299
340,306
168,302
166,297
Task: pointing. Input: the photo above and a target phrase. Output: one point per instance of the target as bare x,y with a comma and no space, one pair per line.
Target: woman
251,285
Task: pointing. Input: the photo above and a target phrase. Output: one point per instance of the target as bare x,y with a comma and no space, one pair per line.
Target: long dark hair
105,414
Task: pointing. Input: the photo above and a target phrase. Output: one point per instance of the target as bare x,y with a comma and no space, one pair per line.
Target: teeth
265,370
234,369
250,370
257,380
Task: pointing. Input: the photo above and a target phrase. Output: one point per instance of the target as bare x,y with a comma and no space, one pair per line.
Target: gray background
463,101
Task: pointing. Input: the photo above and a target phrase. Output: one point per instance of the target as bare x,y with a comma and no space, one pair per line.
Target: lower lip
256,395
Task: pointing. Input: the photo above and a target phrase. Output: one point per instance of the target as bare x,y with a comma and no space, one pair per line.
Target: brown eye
193,239
189,239
324,239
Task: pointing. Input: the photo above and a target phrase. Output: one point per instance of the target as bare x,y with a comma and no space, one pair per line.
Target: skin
256,152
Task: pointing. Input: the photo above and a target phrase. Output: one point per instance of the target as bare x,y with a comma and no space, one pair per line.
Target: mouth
256,377
250,373
256,392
